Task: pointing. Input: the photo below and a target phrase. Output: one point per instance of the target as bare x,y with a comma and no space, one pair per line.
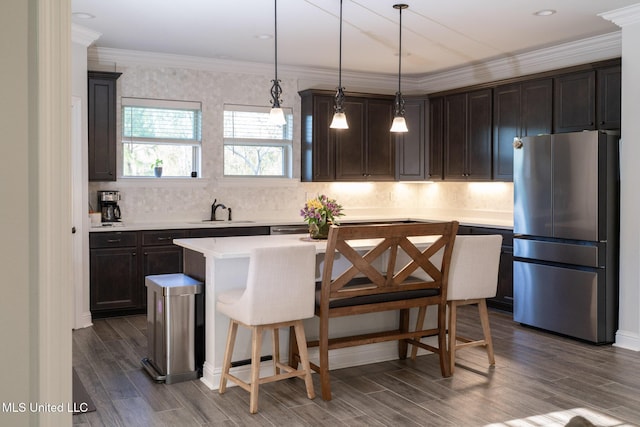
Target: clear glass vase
319,231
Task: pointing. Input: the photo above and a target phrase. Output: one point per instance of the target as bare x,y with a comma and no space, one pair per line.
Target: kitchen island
223,264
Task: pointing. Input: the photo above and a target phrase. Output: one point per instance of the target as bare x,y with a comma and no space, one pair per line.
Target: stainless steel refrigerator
566,228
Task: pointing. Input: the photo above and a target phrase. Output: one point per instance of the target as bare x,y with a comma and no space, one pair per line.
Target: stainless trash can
171,322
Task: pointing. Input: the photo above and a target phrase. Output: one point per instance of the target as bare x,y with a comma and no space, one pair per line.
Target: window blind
148,120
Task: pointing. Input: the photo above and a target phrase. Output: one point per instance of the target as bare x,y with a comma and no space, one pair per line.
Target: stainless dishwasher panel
558,299
289,229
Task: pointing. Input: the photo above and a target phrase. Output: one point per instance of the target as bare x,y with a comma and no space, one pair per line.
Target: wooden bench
394,274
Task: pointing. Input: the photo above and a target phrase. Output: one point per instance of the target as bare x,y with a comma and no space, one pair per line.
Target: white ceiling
435,35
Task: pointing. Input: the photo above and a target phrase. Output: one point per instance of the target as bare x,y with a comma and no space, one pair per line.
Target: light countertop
480,221
241,246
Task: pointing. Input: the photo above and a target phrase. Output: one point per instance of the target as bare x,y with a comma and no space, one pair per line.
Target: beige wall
17,358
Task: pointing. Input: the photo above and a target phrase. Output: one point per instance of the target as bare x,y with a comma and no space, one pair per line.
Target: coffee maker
108,202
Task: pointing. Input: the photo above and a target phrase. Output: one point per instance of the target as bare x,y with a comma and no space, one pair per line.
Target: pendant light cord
340,52
399,102
275,32
276,90
400,51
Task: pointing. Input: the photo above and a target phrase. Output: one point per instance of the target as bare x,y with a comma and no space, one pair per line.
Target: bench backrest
406,265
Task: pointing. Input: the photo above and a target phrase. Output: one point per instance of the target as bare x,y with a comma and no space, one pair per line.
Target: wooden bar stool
473,278
280,292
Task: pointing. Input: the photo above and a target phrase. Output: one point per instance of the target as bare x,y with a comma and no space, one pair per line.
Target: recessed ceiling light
264,36
545,12
83,15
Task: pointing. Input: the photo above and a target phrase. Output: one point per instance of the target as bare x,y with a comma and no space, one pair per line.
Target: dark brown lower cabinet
113,276
120,261
114,273
504,295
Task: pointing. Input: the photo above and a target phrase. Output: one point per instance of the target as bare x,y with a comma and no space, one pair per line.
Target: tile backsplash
166,199
145,203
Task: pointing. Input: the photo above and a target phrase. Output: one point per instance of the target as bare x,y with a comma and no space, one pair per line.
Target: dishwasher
289,229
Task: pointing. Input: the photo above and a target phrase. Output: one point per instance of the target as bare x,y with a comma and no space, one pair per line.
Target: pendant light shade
276,116
339,117
399,123
339,121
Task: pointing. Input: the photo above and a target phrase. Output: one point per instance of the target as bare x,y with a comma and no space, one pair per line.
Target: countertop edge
186,225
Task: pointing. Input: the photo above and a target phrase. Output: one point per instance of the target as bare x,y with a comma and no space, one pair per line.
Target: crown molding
583,51
308,77
624,16
83,36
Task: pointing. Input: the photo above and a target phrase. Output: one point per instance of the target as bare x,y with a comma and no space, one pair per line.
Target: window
156,130
253,147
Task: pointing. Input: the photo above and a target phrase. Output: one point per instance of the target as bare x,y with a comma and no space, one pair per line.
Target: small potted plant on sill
157,168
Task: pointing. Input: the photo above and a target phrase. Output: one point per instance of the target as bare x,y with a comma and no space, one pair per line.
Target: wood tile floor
539,379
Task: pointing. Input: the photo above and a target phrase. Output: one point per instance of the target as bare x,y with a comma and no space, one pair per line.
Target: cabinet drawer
112,239
162,237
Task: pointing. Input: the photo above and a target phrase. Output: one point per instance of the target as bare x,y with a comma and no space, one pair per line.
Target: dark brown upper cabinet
519,109
574,102
102,125
609,97
410,146
468,136
588,100
317,140
435,146
364,152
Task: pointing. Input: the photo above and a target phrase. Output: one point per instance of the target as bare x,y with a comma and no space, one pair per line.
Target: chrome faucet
214,208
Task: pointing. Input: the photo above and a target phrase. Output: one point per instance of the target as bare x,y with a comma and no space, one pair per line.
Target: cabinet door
609,98
455,136
114,279
380,150
479,128
102,125
507,115
162,260
537,107
410,145
159,260
350,144
520,109
319,141
504,293
435,145
574,102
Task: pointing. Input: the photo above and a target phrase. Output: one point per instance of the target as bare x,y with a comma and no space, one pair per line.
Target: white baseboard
628,340
84,320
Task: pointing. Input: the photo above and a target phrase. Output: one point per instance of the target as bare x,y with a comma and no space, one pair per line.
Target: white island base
223,265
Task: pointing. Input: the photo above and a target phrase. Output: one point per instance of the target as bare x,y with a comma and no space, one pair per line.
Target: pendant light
276,116
339,117
399,124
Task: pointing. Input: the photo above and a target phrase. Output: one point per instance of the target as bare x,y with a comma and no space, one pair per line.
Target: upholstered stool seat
279,293
473,278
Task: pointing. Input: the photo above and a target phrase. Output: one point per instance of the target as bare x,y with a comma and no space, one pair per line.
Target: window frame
195,143
286,144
